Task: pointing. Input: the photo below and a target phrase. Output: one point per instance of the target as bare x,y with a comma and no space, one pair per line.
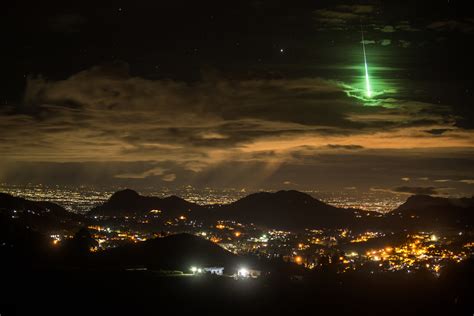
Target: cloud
416,190
157,171
346,147
385,42
388,29
169,177
367,42
217,127
409,190
103,113
438,131
404,43
342,16
465,26
405,26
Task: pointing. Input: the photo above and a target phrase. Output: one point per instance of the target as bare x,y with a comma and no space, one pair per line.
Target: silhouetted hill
15,235
128,202
39,215
289,209
20,245
296,210
429,211
283,209
179,252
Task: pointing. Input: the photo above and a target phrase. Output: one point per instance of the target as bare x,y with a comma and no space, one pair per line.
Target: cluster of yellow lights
215,239
365,237
418,251
344,233
302,246
316,241
222,226
95,227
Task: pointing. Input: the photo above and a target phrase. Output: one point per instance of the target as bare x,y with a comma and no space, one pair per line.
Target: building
248,273
215,270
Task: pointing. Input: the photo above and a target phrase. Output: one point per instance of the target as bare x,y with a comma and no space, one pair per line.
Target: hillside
128,202
428,211
180,252
289,209
40,215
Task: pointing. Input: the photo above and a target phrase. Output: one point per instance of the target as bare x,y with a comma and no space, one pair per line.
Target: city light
298,259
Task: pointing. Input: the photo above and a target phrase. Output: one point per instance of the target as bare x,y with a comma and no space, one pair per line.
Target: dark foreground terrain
94,292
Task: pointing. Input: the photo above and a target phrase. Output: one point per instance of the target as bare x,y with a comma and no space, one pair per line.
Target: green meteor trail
367,80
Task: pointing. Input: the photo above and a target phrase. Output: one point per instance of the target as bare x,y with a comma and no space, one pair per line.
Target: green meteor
367,80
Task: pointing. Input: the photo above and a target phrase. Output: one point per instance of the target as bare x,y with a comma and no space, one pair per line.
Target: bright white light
243,272
434,238
199,270
193,269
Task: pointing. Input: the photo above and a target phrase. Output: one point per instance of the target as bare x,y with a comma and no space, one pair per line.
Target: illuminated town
341,248
344,249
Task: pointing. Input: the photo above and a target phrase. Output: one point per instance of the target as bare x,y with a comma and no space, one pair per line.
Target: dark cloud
416,190
406,26
342,17
346,147
106,114
438,131
388,29
404,43
465,25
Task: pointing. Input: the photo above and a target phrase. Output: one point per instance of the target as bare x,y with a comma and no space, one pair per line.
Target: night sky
246,94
